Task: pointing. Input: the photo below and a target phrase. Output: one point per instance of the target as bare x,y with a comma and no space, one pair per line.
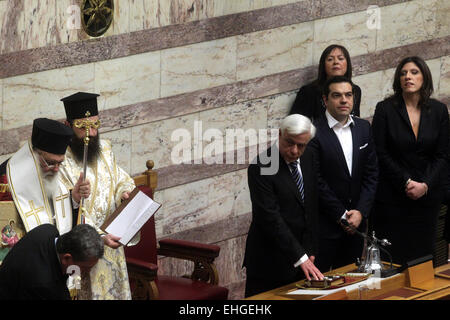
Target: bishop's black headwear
51,136
78,104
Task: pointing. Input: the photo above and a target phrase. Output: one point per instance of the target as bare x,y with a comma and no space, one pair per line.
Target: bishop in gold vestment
109,186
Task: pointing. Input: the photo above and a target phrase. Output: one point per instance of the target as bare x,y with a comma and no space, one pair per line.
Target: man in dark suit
282,240
347,176
35,268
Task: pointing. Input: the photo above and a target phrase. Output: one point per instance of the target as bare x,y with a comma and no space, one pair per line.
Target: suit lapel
332,141
356,145
401,108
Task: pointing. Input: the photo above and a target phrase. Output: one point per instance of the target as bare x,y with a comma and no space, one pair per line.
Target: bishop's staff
87,125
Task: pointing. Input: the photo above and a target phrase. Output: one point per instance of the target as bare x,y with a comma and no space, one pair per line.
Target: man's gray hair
295,124
83,242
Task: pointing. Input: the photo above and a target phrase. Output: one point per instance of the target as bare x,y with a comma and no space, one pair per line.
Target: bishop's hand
82,189
111,241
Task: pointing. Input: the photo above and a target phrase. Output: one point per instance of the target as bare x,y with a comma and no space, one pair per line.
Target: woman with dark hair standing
334,61
411,137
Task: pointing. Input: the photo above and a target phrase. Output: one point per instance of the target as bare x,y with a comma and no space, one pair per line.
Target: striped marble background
172,64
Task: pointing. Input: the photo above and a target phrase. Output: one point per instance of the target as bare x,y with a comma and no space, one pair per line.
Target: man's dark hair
336,79
83,242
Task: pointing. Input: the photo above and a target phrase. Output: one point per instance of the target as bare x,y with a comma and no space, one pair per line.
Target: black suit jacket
308,101
31,270
340,191
401,156
283,228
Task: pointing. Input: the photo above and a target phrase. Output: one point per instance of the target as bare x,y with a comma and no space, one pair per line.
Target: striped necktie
297,178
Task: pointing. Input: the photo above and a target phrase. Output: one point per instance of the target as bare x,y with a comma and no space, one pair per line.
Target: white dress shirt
344,135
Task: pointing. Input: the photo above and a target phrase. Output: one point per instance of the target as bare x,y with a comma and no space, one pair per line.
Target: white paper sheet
133,217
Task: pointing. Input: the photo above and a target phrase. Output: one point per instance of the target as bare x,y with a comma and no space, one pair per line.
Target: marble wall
202,67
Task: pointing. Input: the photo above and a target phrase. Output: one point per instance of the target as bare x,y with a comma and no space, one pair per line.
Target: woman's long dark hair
322,75
427,87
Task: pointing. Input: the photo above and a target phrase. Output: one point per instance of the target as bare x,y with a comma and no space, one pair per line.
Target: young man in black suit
36,267
347,176
282,240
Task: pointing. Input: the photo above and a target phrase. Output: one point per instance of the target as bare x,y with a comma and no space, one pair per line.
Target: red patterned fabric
4,196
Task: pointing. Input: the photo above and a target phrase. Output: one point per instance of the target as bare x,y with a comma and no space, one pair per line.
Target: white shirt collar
332,122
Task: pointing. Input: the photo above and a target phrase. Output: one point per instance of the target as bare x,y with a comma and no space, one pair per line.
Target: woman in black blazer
334,61
411,137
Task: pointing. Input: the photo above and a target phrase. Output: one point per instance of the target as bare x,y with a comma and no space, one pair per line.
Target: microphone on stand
373,240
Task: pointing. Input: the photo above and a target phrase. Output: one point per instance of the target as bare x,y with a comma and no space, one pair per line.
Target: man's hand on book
112,241
125,195
310,270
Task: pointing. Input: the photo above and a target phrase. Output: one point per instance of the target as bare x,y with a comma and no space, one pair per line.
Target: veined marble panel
229,262
435,68
278,108
67,26
233,123
406,23
121,146
127,80
199,203
121,21
180,11
198,66
40,23
232,227
349,30
38,94
231,6
242,203
153,141
372,89
442,18
444,88
275,50
224,7
12,22
144,14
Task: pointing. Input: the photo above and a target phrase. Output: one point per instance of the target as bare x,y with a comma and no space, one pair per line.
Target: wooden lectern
418,282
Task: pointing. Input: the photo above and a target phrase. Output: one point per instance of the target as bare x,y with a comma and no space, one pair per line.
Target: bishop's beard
50,181
77,147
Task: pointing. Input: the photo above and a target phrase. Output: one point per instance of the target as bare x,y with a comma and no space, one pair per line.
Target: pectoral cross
61,198
34,211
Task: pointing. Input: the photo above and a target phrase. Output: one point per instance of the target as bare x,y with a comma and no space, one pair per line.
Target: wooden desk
421,282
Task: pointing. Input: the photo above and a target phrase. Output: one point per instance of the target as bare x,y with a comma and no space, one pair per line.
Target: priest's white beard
50,181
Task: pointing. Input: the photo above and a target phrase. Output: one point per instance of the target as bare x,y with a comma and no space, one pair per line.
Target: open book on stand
130,216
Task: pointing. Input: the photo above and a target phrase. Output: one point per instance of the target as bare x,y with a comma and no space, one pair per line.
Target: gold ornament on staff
87,125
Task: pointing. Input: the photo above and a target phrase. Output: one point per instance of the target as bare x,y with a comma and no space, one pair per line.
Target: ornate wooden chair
145,282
